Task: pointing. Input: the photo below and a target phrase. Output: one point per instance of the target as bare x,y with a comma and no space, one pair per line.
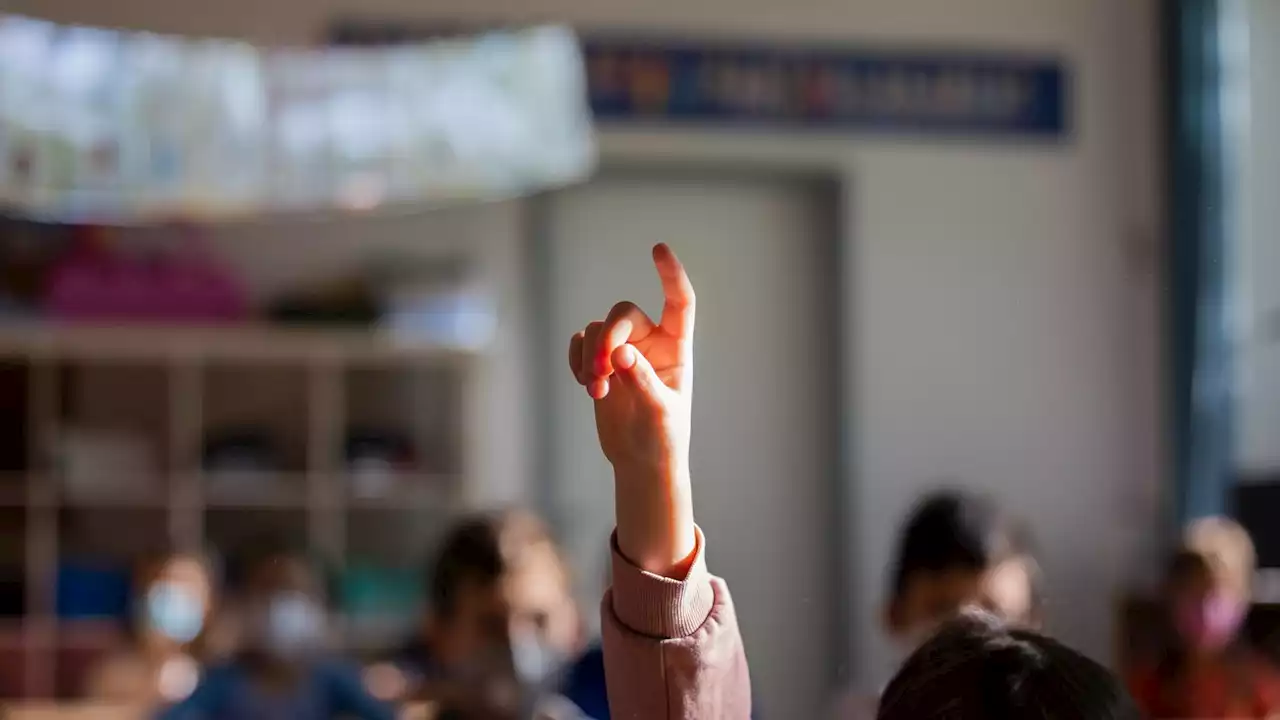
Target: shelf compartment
419,408
15,489
14,597
112,441
236,534
255,419
82,646
24,661
99,552
15,417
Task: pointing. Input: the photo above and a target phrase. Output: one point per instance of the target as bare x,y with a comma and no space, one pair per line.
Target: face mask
174,612
1212,623
292,625
511,681
534,661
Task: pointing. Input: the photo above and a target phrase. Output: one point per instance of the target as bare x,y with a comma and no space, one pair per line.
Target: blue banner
727,84
756,86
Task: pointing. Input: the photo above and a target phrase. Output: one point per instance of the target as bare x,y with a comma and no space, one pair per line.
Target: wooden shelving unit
175,387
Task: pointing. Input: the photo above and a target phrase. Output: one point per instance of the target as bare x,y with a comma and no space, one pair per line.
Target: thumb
634,369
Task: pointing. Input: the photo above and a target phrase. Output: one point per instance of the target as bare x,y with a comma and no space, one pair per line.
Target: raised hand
640,376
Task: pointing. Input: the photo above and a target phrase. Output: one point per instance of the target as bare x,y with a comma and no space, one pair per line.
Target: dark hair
481,549
977,667
153,564
956,530
256,552
1186,565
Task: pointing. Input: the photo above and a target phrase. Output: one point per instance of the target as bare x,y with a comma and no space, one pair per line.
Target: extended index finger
677,291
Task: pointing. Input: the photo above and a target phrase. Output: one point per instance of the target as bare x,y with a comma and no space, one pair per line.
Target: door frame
699,155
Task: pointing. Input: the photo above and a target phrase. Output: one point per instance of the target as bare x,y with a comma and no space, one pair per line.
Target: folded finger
590,341
598,388
626,323
575,356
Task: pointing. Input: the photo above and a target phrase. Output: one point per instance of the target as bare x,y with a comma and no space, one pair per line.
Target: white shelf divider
325,500
184,478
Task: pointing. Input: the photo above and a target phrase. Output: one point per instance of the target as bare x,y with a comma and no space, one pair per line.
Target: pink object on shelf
92,283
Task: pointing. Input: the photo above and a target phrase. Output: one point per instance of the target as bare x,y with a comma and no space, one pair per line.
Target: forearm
654,511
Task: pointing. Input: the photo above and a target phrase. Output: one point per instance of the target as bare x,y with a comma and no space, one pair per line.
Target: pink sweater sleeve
672,650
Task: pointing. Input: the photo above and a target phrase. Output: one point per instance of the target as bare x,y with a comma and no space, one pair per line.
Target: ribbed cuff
657,606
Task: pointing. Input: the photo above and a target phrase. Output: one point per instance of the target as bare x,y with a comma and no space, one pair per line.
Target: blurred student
173,604
584,684
671,640
956,550
503,624
979,667
1208,671
281,669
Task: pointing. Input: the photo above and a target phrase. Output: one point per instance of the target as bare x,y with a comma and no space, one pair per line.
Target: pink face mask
1211,623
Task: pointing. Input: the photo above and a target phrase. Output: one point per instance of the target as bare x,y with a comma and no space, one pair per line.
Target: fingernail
626,357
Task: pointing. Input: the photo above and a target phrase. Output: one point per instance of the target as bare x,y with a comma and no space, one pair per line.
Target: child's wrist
654,509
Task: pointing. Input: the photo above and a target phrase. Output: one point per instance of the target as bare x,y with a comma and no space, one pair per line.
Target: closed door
760,252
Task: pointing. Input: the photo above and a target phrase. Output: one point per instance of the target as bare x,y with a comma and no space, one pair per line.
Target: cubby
118,444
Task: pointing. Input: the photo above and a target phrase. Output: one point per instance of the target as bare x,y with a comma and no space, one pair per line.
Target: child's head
1208,584
978,667
283,602
1228,549
501,588
958,550
175,595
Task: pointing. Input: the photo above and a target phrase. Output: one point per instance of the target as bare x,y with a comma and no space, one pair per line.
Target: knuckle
623,308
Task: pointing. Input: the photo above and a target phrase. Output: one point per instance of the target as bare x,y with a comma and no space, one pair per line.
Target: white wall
1004,310
1258,353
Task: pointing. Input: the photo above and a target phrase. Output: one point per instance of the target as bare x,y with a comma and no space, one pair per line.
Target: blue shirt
584,684
330,690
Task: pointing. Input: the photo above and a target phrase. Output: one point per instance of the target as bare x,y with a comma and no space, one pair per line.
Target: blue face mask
294,625
533,660
174,612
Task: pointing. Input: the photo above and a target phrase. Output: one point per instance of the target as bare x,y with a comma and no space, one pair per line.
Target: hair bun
1009,666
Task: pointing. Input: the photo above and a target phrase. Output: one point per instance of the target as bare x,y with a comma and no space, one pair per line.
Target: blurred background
1067,306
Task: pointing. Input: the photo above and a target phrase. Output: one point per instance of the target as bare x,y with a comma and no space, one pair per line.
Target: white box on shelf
97,463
